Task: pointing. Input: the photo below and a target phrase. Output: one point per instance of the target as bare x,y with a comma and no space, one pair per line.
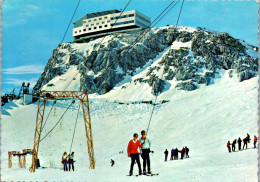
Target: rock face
192,56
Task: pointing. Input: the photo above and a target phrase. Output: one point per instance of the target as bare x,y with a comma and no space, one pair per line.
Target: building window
92,24
75,32
89,29
89,21
95,27
105,17
103,22
97,23
100,18
79,30
84,21
95,19
86,25
108,21
100,26
105,25
84,30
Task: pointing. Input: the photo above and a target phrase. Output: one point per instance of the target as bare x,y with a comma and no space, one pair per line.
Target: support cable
161,78
99,42
70,21
74,128
56,123
48,115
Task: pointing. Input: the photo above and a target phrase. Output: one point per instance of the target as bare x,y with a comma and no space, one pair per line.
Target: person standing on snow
64,161
166,154
132,151
112,162
172,154
71,161
182,151
248,137
234,145
239,141
255,140
245,140
146,144
176,154
187,151
228,146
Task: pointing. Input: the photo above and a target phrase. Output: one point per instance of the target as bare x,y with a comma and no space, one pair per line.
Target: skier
228,146
71,161
112,162
255,140
64,161
166,155
172,154
187,151
245,140
146,144
176,154
234,145
248,137
239,141
132,151
182,151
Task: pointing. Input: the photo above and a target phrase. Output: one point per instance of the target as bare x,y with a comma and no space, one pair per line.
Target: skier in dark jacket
112,162
228,146
166,154
248,138
182,151
172,154
176,154
245,140
71,161
187,151
234,145
239,141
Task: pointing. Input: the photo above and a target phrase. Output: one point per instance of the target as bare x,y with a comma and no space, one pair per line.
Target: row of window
100,18
94,28
97,23
121,23
124,16
142,18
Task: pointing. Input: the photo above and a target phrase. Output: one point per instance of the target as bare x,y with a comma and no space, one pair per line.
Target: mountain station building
100,23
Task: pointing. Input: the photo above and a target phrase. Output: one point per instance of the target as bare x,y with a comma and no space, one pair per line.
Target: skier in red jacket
228,146
132,151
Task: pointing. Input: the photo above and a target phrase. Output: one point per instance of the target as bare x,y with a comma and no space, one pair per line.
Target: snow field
203,120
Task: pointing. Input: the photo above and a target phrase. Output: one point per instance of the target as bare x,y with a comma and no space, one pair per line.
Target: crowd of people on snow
175,153
132,150
67,159
246,140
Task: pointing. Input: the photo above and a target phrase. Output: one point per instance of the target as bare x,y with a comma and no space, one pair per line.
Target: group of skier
246,140
67,159
132,150
175,153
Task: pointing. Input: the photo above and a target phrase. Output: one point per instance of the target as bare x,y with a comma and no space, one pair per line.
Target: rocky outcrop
104,66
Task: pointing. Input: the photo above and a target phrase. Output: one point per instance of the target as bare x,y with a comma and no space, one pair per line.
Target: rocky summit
189,56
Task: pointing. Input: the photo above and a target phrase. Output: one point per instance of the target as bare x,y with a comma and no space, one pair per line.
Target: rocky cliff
189,56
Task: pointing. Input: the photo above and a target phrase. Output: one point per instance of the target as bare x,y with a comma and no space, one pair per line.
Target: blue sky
32,29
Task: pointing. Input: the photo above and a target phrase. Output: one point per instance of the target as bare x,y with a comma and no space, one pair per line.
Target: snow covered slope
203,119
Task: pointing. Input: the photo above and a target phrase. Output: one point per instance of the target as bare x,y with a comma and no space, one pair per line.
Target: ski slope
203,120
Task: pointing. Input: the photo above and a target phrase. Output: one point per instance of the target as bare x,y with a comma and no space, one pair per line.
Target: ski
152,174
132,175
